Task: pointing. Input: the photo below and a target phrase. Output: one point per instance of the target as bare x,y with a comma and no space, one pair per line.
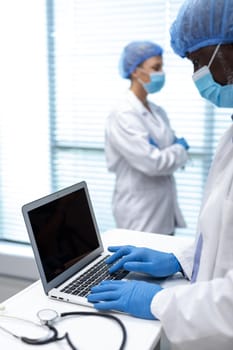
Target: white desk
89,333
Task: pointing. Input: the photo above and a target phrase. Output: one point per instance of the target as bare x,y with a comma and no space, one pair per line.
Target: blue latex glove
181,141
145,260
152,142
132,297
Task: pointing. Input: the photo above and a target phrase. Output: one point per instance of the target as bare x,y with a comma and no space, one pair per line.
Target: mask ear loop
214,54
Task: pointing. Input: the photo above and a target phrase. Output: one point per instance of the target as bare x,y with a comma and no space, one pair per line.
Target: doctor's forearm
198,309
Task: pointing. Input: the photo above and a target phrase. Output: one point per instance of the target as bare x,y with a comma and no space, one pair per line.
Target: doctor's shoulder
123,113
119,104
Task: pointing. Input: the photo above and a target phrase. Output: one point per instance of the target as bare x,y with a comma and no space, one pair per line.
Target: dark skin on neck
221,65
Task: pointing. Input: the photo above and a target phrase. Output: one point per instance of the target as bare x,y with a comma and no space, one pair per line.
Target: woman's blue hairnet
202,23
136,53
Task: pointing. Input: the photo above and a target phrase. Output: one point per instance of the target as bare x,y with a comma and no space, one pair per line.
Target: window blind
88,38
59,86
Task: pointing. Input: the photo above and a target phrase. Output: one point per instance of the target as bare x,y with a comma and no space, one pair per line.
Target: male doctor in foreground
199,315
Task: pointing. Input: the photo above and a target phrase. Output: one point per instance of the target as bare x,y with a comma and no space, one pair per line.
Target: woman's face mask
221,96
157,81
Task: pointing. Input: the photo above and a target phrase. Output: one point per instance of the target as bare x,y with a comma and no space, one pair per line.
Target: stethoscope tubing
100,314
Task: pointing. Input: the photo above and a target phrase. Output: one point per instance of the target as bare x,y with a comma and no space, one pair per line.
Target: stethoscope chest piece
48,316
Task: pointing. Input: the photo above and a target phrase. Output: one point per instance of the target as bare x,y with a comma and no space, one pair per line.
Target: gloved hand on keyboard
145,260
132,297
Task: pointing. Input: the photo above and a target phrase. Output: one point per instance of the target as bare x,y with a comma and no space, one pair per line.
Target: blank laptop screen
64,232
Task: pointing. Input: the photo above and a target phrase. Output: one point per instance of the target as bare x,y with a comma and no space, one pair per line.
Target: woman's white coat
145,197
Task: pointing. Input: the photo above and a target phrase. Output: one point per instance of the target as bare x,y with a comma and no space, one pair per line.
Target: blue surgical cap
136,53
201,23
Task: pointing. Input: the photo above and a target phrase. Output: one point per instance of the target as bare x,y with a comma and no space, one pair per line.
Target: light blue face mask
221,96
157,80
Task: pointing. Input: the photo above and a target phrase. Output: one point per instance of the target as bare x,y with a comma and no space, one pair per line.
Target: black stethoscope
47,319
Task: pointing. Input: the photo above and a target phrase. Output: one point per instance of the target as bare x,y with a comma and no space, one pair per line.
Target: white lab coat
145,196
200,315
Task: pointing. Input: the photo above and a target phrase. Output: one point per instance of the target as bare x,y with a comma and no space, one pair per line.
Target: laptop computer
67,244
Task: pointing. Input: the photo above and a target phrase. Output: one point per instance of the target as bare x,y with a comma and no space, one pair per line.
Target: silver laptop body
65,240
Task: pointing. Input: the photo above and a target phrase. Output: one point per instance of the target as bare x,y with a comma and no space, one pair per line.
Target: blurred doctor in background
199,315
142,149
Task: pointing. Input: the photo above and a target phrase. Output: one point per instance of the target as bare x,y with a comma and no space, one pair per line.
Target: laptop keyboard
99,272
